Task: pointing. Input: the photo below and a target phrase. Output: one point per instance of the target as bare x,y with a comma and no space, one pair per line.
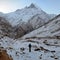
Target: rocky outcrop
5,27
22,29
4,55
13,32
36,21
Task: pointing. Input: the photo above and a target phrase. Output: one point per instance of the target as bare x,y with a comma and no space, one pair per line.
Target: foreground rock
4,55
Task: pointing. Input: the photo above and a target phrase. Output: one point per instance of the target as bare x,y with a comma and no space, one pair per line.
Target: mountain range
25,20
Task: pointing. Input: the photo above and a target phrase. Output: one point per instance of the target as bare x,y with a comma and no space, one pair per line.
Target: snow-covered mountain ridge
49,29
25,14
25,20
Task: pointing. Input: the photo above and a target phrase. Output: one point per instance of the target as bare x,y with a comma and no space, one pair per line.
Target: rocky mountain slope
50,29
13,32
36,21
5,27
25,20
23,15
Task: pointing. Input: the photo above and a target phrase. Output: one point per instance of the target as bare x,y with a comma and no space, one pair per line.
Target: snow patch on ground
40,49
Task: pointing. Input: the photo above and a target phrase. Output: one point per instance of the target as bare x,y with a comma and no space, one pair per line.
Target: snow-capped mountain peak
25,14
17,10
32,6
27,19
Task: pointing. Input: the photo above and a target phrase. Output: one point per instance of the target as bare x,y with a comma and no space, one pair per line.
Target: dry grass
4,55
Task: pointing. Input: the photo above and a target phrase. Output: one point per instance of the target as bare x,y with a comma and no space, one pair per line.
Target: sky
49,6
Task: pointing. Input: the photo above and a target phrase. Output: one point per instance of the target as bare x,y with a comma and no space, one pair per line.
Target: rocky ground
42,49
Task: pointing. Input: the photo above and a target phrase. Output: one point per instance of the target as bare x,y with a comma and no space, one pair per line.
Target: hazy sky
49,6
